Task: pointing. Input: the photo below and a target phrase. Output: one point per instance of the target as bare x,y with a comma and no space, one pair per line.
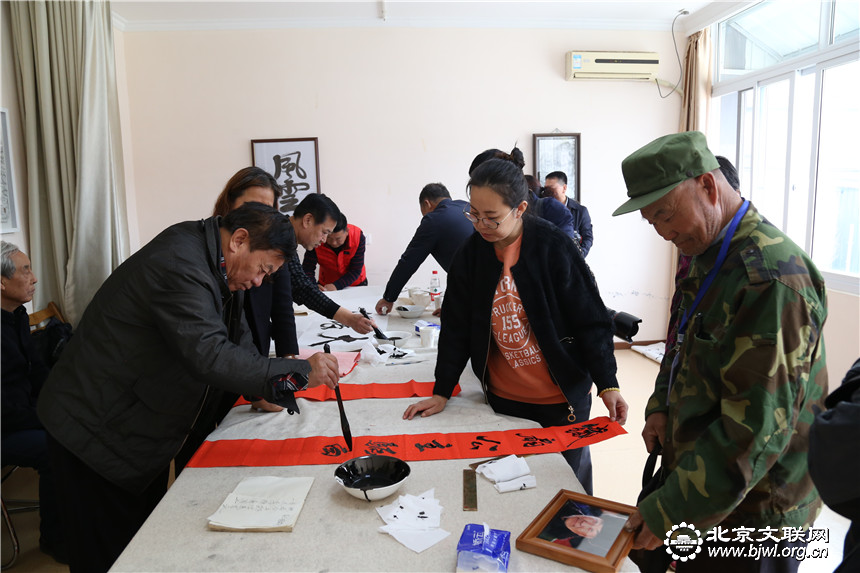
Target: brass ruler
470,490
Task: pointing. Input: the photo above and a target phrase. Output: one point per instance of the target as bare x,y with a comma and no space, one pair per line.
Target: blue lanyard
706,284
721,258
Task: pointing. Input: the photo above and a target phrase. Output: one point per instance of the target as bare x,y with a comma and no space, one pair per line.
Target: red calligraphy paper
410,447
411,389
346,361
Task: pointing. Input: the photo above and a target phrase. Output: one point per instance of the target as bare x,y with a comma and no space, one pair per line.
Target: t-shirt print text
511,326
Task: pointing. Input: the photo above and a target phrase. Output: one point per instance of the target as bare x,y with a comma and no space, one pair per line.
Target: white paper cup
429,336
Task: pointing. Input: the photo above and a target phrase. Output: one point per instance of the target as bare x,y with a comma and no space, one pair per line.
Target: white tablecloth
336,531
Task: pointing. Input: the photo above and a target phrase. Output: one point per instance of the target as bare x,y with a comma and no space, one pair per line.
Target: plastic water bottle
435,285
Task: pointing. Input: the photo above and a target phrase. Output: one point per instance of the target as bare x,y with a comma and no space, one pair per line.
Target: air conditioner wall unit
611,65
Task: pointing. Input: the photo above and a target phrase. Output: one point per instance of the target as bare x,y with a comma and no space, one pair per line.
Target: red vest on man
333,266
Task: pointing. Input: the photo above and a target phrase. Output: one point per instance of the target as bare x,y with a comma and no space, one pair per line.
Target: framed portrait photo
580,530
558,152
295,165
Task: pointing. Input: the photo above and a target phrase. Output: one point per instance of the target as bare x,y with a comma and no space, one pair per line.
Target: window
767,34
846,22
786,112
836,246
769,150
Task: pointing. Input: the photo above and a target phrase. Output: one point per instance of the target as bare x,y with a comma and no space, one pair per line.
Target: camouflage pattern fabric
751,367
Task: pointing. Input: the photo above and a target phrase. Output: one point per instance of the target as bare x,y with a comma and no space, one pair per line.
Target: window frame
827,56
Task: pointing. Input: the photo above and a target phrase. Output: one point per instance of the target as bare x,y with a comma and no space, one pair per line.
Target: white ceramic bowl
420,298
401,337
412,310
372,477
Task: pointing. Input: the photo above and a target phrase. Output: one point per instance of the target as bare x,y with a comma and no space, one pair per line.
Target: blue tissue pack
419,324
483,549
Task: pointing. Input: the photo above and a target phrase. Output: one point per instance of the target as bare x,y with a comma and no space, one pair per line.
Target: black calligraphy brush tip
376,331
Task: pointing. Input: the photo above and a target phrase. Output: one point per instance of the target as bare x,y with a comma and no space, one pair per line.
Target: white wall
393,110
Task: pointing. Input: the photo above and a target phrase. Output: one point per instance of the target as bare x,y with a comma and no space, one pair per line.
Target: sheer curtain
697,82
64,65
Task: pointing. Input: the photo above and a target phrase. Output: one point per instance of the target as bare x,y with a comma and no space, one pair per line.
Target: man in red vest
341,258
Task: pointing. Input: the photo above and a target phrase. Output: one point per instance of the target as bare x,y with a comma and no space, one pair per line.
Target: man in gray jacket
165,326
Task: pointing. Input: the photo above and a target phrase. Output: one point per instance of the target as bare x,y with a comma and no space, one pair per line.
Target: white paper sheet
524,482
414,520
505,469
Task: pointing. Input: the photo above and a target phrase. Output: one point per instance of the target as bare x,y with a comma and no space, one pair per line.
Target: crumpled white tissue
415,539
369,355
505,469
390,349
524,482
414,520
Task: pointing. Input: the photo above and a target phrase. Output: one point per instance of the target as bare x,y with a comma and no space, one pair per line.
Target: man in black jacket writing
165,326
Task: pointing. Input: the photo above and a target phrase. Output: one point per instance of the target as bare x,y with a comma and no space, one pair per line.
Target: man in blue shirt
442,230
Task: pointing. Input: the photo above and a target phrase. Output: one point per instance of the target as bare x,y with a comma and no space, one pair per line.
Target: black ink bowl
372,477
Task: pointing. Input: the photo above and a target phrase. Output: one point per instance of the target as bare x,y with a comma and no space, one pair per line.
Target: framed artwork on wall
8,212
558,152
580,530
295,165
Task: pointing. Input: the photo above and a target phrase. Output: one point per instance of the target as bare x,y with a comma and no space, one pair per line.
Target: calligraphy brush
344,423
376,331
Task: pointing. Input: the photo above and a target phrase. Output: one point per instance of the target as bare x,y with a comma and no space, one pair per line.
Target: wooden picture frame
8,210
294,163
596,539
558,152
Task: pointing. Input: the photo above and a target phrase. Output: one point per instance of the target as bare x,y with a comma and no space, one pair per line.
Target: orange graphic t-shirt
518,370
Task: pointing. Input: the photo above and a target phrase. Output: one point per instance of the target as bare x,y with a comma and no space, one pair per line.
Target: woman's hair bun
516,156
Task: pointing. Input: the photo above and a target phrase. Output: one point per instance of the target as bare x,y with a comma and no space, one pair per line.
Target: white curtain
67,91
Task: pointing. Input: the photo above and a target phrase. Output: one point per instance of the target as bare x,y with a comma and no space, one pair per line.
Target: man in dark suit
442,230
555,186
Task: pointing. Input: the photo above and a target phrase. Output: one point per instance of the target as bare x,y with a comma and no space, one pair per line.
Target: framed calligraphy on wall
8,213
558,152
295,165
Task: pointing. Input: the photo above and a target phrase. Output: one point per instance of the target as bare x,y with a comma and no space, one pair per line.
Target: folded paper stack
262,503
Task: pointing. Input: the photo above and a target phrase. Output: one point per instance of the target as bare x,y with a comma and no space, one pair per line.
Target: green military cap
657,168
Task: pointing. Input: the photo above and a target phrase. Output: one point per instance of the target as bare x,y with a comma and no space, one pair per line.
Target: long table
336,531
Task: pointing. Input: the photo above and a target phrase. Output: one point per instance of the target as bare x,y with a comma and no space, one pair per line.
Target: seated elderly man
165,326
23,374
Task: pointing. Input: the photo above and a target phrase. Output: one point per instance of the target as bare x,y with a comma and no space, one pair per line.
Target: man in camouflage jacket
734,418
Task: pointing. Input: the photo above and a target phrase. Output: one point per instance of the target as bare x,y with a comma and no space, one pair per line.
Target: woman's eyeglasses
489,223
